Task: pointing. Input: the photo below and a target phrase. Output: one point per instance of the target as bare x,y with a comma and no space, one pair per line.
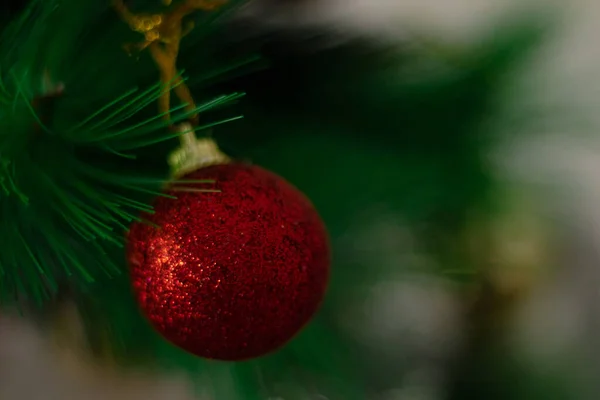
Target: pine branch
77,125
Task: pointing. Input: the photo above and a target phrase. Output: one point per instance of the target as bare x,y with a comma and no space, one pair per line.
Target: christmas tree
131,135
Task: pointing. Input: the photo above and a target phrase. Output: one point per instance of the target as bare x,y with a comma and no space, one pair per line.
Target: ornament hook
162,37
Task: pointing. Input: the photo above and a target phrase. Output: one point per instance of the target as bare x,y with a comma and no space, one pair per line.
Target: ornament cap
194,153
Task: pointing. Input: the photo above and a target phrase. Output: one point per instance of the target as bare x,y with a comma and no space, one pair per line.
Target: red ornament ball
234,273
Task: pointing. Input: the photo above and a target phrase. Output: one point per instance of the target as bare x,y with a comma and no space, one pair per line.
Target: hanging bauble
232,264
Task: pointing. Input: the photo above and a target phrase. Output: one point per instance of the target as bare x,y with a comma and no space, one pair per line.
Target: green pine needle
75,169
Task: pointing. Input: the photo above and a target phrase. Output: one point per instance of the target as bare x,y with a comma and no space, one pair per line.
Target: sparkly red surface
235,274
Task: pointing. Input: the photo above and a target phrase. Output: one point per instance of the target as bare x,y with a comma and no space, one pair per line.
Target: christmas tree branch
74,164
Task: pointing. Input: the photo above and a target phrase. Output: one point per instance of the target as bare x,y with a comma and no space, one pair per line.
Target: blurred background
416,325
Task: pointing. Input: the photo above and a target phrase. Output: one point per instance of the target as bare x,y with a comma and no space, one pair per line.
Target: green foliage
72,171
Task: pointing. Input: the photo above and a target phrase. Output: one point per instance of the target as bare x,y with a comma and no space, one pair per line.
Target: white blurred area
562,315
35,367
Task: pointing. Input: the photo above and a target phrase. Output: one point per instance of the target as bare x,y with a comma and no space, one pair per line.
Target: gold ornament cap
194,153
